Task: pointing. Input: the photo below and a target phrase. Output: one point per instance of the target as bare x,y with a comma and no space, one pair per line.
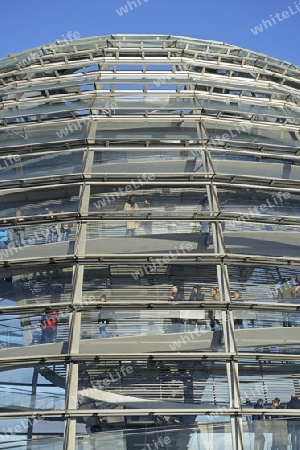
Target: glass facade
149,246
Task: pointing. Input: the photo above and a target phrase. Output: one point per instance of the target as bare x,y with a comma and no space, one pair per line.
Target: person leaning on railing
294,422
259,426
196,296
278,428
176,296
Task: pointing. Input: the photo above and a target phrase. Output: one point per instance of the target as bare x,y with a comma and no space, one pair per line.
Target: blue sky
29,23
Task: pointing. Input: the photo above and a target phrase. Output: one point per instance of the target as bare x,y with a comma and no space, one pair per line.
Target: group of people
57,231
131,207
18,233
281,429
177,295
54,232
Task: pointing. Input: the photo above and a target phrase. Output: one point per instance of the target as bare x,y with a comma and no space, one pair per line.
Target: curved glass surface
149,246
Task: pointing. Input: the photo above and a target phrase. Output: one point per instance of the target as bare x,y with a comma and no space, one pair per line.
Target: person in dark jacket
278,428
259,425
296,290
103,322
176,294
196,294
294,422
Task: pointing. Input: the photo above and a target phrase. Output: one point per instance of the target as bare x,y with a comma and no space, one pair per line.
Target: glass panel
234,84
278,331
133,79
137,282
145,130
270,432
46,433
40,133
201,435
253,203
48,326
42,108
194,327
241,108
39,165
250,134
30,389
165,385
163,236
257,239
146,161
37,241
177,202
265,284
38,284
53,83
131,103
261,169
267,380
49,202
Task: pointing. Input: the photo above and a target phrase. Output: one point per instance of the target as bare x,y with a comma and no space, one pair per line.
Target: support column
72,369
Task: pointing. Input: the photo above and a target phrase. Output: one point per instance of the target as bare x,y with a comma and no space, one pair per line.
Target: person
65,230
211,313
259,426
19,232
215,295
296,290
147,223
285,295
52,232
103,322
131,206
48,326
205,226
196,294
238,323
280,437
3,238
294,422
176,294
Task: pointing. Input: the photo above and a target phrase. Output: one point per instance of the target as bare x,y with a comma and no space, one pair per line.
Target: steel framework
206,136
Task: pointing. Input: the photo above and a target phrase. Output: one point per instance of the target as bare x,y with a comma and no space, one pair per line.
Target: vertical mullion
72,370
